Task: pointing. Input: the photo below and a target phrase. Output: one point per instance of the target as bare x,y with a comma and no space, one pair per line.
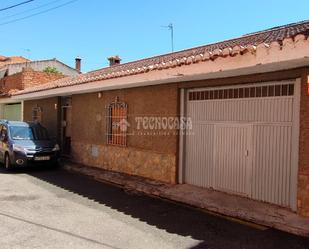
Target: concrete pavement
207,199
59,209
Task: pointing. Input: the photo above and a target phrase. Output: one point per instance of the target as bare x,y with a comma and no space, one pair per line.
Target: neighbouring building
244,103
4,60
18,73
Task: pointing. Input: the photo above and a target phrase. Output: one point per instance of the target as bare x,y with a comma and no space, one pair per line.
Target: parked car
23,144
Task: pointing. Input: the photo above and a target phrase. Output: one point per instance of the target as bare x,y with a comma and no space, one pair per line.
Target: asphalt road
58,209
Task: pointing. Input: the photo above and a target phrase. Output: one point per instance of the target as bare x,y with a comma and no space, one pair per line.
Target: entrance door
66,124
232,168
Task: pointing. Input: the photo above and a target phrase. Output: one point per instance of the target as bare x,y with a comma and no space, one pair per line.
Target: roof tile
233,46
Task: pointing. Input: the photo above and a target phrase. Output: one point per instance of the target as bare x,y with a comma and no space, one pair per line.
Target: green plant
51,70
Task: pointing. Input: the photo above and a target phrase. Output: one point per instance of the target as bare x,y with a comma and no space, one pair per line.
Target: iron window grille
116,123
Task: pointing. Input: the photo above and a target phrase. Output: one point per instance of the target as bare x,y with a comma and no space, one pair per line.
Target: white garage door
244,140
12,112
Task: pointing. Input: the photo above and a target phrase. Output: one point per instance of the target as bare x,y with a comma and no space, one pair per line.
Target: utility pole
171,28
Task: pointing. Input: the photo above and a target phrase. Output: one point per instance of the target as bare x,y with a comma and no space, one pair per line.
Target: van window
21,133
28,133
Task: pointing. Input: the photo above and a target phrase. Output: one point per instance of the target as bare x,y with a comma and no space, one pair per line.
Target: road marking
56,230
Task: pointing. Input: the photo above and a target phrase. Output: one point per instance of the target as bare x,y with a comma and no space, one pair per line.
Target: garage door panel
232,164
199,162
263,124
271,167
243,110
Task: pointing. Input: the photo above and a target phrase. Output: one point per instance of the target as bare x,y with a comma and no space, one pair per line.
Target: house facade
18,73
231,116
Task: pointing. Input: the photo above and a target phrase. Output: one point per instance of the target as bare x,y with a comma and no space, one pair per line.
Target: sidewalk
218,202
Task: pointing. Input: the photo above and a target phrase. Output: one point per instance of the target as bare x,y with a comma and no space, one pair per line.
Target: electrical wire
38,13
16,5
29,10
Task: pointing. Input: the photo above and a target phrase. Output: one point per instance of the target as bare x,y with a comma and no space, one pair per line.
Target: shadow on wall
213,231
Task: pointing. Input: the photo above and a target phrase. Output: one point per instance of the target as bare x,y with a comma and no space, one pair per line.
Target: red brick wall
32,78
11,82
27,78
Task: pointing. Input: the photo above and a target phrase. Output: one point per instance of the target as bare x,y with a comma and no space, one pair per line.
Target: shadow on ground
213,231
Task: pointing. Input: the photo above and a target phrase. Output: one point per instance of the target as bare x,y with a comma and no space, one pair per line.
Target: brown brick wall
49,113
144,101
303,181
148,155
304,127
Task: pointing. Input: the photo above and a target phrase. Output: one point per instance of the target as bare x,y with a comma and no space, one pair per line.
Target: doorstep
214,201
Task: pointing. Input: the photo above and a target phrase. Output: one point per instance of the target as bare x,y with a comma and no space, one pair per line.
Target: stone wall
145,163
303,194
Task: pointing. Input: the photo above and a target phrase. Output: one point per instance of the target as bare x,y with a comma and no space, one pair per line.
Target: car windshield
28,133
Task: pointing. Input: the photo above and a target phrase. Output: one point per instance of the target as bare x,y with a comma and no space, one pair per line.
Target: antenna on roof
171,28
28,52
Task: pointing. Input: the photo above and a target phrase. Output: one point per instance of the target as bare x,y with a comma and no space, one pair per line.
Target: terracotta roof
11,60
193,55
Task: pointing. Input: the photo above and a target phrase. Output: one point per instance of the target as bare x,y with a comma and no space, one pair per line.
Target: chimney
78,64
114,60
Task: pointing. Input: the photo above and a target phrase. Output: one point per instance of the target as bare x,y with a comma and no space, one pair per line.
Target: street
53,208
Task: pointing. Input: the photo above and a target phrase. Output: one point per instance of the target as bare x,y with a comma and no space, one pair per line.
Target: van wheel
7,162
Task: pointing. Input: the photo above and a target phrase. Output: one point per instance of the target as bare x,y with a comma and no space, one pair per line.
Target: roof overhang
182,74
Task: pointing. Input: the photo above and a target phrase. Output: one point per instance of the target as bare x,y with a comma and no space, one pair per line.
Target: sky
132,29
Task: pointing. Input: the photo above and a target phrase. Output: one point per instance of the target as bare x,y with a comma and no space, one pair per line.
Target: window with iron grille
37,114
117,124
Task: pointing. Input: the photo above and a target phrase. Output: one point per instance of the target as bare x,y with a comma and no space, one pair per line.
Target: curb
273,216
